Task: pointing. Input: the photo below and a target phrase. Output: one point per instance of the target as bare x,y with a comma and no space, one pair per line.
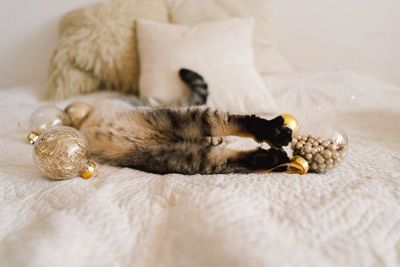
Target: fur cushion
97,47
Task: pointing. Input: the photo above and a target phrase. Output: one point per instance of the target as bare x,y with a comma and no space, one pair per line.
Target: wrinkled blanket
123,217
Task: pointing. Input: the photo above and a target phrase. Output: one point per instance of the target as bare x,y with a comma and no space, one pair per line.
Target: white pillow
220,51
267,58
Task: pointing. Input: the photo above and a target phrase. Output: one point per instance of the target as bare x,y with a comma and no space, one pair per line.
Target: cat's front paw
262,159
280,134
274,132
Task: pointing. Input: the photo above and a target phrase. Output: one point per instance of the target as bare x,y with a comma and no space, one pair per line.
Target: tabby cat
177,139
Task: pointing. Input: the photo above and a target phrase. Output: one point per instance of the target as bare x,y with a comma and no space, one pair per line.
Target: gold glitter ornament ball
45,118
63,152
77,112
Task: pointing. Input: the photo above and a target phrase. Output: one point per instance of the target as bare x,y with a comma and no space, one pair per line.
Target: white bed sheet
124,217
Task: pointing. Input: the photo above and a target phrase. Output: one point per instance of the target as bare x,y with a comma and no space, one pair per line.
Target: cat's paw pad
216,141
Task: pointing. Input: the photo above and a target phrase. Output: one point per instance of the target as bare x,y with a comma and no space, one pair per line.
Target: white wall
28,36
363,35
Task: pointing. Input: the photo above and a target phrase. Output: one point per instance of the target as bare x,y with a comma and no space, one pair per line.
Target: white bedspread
124,217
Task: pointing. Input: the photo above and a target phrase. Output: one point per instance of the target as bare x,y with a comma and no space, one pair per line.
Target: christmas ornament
44,118
291,122
320,152
63,152
324,149
77,112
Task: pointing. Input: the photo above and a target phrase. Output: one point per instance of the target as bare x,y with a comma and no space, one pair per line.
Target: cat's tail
197,85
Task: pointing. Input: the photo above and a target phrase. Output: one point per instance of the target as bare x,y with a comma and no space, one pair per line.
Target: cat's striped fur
176,139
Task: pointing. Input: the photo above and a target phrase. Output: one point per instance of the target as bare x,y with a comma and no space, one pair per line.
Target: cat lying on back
176,139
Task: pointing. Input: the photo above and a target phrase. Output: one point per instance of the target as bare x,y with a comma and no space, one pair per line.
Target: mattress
123,217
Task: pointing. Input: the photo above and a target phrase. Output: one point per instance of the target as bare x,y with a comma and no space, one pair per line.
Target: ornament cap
297,165
90,171
32,138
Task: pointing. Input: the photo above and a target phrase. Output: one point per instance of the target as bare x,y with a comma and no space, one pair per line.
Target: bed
123,217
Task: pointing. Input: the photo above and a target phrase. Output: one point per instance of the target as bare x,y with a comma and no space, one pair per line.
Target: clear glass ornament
322,144
63,152
45,118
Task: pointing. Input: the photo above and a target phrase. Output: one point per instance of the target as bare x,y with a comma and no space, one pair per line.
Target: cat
175,139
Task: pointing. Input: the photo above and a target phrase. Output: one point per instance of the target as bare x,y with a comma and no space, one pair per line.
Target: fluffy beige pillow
267,58
97,47
220,51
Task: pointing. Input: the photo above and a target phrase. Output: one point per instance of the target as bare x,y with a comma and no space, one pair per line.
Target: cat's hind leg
192,158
